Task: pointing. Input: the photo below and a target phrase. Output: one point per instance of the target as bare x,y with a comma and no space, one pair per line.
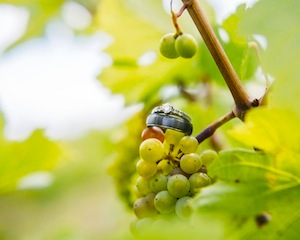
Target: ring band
168,109
169,122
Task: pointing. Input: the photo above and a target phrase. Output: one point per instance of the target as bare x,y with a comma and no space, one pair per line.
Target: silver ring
168,109
169,122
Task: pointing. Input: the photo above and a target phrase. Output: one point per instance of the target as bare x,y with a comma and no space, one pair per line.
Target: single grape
190,163
153,132
208,156
178,185
173,137
186,45
151,150
143,185
183,208
133,228
164,202
178,170
142,209
158,182
149,199
198,180
203,169
146,169
188,144
167,46
165,167
140,227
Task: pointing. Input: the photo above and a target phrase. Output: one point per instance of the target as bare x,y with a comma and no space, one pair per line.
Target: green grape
167,46
173,137
178,185
199,180
141,227
153,132
208,156
164,202
190,163
151,150
186,45
143,185
143,209
165,167
188,144
158,182
133,228
183,208
149,198
146,169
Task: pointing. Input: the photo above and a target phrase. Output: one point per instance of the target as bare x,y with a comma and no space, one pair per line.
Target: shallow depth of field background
59,124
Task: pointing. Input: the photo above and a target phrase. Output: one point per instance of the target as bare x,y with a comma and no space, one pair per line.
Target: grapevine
171,172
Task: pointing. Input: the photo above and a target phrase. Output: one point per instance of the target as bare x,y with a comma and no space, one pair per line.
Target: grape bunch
170,173
175,45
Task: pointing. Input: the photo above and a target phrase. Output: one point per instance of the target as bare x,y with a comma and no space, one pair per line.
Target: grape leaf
278,21
18,159
133,37
250,184
40,14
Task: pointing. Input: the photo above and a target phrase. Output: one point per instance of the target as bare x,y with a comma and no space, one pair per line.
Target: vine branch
210,129
241,99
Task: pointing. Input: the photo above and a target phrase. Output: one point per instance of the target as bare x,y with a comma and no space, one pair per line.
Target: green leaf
133,37
273,131
250,184
17,159
41,12
278,21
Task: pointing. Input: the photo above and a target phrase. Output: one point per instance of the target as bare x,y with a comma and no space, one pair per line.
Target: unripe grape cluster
175,45
170,173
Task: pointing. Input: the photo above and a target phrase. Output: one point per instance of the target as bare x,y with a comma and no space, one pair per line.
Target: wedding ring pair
167,117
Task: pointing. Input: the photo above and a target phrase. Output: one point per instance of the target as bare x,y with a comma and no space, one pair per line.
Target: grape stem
209,130
241,99
174,19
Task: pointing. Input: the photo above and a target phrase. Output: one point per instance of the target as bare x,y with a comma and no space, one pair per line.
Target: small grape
149,198
142,209
140,227
178,170
208,156
143,185
199,180
182,208
158,182
173,137
203,169
151,150
186,45
190,163
167,46
164,202
165,167
153,132
188,144
178,185
146,169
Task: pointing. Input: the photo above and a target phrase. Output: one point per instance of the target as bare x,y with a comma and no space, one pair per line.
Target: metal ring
168,109
169,122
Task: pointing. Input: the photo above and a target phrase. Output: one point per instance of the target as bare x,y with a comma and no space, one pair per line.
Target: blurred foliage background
82,188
